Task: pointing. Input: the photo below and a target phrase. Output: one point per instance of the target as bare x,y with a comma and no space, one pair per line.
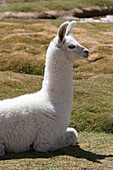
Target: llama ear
70,26
62,31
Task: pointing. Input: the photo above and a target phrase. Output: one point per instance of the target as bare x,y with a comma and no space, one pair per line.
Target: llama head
70,47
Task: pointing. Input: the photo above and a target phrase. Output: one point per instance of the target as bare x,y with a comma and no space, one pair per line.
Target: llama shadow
76,152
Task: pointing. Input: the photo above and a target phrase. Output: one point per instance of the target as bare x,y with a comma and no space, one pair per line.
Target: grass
93,107
12,84
23,48
37,5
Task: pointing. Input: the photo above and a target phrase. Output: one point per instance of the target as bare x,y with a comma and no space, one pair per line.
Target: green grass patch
93,103
15,84
37,5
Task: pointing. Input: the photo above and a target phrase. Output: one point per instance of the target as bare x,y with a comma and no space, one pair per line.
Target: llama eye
71,46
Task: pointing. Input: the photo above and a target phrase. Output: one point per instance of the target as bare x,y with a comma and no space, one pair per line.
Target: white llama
41,119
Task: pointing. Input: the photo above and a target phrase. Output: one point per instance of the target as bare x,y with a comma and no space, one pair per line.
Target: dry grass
29,41
12,85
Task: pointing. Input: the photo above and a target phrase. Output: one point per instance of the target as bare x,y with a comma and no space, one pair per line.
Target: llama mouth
85,56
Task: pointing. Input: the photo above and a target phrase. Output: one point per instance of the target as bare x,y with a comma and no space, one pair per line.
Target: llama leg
71,137
41,147
2,149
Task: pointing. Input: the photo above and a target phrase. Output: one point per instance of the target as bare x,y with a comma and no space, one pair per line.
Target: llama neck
58,79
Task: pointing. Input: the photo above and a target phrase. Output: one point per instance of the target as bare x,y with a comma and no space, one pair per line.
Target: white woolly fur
41,119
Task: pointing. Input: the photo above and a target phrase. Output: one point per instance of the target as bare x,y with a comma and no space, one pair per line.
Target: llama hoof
72,136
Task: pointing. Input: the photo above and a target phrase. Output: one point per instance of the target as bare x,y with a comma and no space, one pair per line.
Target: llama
41,119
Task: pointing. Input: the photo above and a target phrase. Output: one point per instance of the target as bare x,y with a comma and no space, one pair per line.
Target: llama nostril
86,52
